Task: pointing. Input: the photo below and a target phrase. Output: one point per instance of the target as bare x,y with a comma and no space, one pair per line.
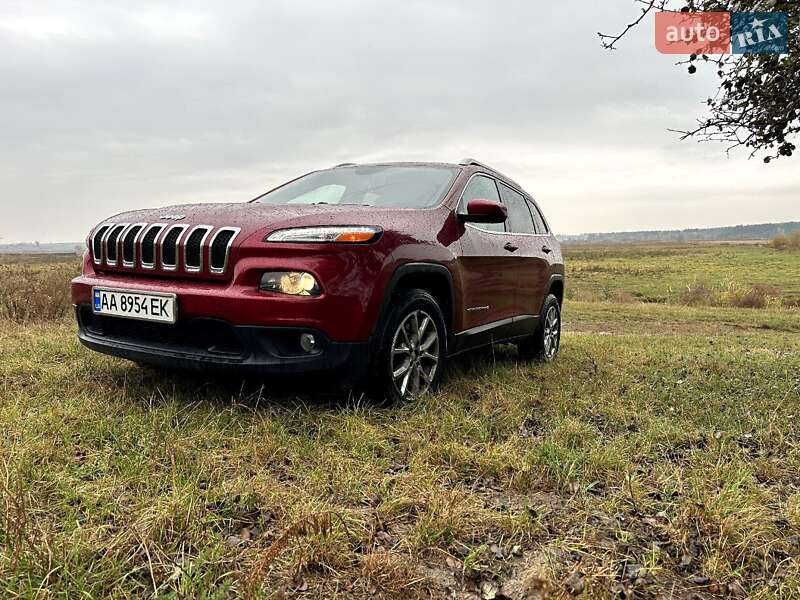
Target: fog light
294,283
308,342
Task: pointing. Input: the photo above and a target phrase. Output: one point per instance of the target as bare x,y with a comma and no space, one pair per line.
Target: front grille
193,248
112,245
97,244
149,246
163,247
169,247
129,245
220,248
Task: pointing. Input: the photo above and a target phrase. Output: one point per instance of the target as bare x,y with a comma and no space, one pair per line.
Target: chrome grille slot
97,244
112,245
164,247
193,248
169,247
129,244
148,246
221,248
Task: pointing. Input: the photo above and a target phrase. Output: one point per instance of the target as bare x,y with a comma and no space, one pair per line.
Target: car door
487,280
531,269
546,245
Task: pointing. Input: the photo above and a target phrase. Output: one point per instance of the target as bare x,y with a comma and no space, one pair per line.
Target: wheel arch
434,278
556,287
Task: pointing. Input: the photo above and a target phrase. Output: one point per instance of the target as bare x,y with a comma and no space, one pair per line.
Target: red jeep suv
380,271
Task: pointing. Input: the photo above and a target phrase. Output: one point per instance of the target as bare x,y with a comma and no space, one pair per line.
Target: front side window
482,188
519,217
382,186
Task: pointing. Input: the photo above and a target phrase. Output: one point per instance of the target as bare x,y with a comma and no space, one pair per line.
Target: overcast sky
107,106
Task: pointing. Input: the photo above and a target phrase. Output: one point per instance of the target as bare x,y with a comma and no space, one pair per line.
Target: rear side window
537,217
519,217
480,187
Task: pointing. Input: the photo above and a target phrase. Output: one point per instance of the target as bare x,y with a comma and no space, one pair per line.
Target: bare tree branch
649,5
757,103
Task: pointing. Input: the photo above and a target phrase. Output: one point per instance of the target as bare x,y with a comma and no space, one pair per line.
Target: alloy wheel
415,354
552,333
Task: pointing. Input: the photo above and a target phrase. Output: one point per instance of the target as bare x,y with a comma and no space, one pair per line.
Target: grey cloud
106,106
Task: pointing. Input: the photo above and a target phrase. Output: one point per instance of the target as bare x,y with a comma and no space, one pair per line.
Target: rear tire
412,349
543,345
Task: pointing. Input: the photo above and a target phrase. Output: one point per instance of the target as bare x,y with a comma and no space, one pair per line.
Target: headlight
294,283
339,235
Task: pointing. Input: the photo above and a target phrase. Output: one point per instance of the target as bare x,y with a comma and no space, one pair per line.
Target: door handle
511,247
546,249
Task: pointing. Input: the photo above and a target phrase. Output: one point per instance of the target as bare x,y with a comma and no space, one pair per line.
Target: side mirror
480,210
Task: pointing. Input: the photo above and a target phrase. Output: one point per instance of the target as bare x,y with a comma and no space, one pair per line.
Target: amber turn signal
356,237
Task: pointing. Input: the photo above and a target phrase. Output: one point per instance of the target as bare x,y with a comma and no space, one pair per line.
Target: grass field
658,457
705,274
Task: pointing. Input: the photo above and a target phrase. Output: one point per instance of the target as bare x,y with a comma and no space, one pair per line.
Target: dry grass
657,458
786,242
639,464
693,274
38,291
731,295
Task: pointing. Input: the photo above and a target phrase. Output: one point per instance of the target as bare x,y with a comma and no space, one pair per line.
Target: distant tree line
764,231
39,248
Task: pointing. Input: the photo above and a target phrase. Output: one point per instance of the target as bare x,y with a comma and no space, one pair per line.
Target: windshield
374,185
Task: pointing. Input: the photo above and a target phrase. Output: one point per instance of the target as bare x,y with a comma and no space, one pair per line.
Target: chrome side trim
164,234
477,308
218,270
199,267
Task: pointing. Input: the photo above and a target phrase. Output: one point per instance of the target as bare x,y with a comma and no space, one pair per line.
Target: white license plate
149,306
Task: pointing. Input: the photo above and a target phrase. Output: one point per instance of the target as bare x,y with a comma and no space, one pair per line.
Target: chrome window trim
513,187
219,271
199,268
164,234
151,265
123,235
105,243
102,242
473,226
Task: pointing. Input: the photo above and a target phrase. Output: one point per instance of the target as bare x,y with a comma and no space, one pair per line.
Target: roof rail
345,165
471,162
467,162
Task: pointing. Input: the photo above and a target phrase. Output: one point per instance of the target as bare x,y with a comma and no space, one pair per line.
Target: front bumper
342,312
203,343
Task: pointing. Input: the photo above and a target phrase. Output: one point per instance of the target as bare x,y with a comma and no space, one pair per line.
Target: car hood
261,219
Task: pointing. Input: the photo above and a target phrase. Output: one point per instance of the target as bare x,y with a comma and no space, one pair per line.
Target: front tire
413,348
543,345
